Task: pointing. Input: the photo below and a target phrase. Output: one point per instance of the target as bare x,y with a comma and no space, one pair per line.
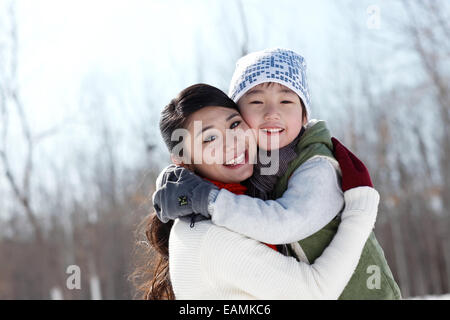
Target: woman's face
220,145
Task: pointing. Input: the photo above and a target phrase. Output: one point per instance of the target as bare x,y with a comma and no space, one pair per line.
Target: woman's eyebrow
203,130
232,116
211,126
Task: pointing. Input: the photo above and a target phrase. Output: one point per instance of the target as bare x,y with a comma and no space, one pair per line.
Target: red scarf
236,188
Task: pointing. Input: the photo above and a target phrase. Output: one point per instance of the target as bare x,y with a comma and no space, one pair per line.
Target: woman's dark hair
151,276
188,101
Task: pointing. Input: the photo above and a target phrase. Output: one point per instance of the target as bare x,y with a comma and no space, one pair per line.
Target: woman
204,261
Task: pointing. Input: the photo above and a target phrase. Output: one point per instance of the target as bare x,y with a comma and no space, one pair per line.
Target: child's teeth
272,130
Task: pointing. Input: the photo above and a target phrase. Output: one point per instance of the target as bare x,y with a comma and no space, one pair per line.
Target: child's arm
313,198
266,274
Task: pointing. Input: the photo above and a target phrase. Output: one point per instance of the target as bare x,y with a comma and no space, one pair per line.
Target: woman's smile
238,161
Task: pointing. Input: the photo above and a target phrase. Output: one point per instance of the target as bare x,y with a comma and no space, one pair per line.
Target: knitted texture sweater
212,262
236,188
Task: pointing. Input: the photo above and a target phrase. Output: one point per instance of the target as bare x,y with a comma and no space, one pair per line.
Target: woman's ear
176,160
179,162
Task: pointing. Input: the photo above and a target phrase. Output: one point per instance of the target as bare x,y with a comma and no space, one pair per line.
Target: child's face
274,112
217,136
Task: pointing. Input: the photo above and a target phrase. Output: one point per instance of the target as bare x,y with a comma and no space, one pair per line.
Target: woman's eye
286,101
235,124
209,139
256,102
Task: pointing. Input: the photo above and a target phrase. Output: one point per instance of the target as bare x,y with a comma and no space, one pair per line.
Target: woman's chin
247,174
239,175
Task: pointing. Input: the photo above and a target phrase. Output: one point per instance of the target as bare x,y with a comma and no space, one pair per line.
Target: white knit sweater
212,262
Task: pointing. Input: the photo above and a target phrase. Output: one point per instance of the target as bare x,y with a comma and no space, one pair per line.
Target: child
211,262
303,198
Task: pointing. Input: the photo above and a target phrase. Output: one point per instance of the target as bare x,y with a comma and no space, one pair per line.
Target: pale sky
137,51
63,42
136,55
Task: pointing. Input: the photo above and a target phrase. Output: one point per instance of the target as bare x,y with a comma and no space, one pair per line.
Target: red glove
354,172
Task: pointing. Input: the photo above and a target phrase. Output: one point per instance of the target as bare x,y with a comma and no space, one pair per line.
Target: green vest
372,279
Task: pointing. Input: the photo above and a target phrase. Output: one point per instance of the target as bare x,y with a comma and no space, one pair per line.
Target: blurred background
82,84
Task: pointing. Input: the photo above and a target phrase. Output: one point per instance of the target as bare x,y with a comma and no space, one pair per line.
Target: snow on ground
441,297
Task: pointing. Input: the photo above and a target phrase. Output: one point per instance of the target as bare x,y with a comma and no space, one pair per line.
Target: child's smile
275,112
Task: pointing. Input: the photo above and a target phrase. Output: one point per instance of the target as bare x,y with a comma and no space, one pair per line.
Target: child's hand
180,192
354,172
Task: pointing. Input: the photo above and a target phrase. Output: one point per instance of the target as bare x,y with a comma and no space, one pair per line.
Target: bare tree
410,166
10,98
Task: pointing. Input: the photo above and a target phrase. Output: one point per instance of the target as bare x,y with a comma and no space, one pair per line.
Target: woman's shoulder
185,243
205,244
185,230
186,234
203,235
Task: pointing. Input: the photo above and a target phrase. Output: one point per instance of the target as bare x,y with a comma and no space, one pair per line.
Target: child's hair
156,285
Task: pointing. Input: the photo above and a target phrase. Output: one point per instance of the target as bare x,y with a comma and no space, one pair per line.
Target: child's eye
235,124
286,102
209,139
256,102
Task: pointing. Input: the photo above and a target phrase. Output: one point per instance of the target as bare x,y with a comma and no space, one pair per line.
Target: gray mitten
179,193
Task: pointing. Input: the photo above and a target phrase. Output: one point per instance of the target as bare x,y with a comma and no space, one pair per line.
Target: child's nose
271,114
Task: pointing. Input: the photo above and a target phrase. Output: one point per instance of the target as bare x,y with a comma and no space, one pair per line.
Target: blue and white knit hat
271,65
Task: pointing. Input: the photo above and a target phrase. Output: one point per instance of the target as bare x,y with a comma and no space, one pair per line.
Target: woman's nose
233,143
